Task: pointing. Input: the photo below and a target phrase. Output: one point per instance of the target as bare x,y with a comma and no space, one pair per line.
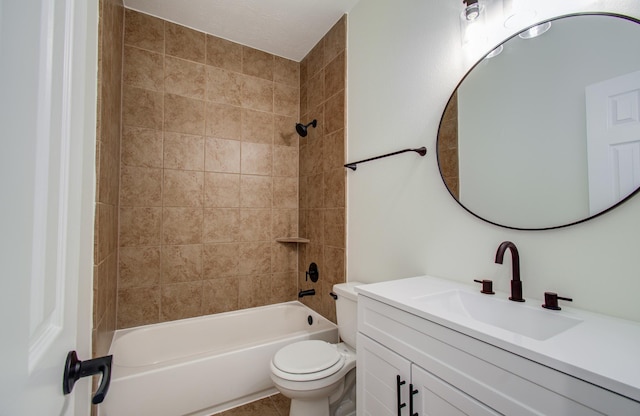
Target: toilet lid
306,357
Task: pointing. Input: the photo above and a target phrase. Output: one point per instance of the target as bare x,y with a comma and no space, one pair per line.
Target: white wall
404,60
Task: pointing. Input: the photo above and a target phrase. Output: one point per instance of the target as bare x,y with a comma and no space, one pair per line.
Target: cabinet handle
398,384
413,392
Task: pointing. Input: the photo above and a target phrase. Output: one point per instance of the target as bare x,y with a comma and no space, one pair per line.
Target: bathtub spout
304,293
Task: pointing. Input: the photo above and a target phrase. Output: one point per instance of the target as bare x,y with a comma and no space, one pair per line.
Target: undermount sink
530,321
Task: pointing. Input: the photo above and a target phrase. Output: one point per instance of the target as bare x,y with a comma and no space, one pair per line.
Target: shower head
302,128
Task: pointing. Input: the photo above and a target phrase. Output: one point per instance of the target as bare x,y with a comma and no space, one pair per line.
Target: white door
383,380
48,62
431,396
613,140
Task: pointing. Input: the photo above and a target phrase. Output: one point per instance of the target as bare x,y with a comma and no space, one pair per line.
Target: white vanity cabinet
446,372
390,385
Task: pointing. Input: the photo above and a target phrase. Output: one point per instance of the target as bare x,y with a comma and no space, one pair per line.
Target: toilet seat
307,360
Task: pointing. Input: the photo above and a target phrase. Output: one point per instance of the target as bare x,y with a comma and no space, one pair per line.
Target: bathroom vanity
429,346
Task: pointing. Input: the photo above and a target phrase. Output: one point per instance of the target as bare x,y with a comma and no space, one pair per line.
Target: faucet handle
487,286
551,301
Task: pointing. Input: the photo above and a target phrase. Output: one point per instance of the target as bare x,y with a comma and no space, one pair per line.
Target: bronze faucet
516,284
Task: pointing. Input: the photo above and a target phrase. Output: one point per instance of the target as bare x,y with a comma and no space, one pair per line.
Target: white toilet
319,377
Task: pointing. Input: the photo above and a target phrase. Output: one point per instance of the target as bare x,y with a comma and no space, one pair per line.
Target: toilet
317,376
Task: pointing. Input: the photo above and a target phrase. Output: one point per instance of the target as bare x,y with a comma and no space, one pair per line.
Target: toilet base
319,407
345,404
339,399
313,402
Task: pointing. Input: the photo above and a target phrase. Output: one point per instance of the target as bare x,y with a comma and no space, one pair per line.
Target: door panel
48,84
613,140
378,368
435,397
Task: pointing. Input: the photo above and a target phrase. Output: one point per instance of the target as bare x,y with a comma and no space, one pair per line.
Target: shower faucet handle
487,286
312,273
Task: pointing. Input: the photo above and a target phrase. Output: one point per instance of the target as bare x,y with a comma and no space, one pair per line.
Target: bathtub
204,365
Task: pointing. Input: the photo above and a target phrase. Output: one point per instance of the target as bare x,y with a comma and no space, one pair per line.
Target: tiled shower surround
105,270
212,171
322,174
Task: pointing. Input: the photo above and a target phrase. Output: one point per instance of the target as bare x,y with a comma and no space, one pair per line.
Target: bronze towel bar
421,151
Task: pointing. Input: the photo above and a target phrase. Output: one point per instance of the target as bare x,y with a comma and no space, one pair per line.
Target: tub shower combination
207,364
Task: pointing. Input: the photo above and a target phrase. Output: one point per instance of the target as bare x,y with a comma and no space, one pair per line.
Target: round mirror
544,132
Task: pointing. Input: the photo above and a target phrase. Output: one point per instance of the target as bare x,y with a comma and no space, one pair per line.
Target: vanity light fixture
535,31
472,9
472,22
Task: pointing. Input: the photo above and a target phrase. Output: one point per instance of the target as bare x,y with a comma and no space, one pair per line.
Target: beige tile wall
107,167
322,174
209,174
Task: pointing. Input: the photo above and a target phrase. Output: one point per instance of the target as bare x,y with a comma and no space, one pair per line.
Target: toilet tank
346,311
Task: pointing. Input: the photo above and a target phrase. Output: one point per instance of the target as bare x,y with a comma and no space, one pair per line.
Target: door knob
74,369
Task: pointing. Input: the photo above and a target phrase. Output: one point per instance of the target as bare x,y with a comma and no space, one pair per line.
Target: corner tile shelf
292,240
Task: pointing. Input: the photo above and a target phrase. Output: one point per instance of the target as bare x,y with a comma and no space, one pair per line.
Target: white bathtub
205,365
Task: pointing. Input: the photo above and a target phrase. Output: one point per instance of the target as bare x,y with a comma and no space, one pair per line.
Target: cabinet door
378,384
431,396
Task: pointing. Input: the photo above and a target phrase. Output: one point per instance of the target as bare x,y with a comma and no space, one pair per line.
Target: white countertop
601,350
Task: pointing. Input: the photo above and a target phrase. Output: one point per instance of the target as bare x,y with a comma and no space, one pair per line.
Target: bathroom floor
276,405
